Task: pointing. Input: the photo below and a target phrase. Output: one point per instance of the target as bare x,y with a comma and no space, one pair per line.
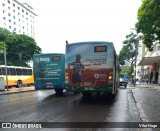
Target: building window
9,14
3,11
9,20
10,27
13,10
18,13
3,4
22,10
26,13
13,4
9,1
8,7
14,17
18,8
4,18
14,23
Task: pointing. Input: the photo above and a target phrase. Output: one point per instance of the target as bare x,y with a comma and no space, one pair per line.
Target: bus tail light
67,77
110,77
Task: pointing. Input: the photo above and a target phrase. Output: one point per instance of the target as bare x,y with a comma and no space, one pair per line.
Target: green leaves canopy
128,51
20,48
149,22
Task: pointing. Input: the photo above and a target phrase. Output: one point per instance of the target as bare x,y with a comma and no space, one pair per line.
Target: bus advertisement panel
49,71
91,67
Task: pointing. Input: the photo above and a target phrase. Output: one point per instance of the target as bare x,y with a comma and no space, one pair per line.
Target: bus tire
59,92
86,94
19,83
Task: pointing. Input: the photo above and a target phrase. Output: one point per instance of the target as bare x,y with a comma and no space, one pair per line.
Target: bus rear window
100,48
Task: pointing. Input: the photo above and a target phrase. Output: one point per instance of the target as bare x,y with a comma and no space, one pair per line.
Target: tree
4,33
20,48
129,51
3,49
149,22
3,46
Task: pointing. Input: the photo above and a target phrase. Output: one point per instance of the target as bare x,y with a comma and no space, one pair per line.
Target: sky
82,20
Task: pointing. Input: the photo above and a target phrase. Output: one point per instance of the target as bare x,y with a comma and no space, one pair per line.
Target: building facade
17,17
151,64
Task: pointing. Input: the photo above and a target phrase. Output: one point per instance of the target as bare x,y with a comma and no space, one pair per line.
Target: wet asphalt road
45,106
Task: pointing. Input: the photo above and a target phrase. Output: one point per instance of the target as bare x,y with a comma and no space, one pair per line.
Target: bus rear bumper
89,89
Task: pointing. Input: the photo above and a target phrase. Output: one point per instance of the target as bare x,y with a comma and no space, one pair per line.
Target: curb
6,93
139,108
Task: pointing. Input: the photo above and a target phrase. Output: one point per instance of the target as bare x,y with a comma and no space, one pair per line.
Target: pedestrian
147,80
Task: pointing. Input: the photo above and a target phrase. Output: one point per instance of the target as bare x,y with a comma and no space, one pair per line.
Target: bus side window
12,71
18,71
24,72
4,71
0,71
29,72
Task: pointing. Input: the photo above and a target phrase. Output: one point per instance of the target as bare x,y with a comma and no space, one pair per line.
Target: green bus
49,71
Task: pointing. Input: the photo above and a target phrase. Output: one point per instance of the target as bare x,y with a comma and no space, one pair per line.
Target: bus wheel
86,94
111,96
19,83
59,92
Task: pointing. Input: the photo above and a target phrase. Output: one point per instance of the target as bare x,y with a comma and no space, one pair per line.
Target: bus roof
49,54
91,42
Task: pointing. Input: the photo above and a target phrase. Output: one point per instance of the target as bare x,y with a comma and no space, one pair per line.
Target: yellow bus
17,76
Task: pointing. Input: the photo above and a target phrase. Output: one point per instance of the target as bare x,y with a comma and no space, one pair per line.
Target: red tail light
110,77
67,77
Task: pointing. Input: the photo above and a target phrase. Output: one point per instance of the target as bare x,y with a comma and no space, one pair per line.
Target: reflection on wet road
45,106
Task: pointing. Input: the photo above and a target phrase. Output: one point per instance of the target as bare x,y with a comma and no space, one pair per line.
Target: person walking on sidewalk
147,80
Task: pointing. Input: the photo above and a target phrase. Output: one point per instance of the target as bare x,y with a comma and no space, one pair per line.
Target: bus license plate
88,88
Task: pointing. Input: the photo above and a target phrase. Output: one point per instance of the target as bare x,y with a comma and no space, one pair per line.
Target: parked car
122,82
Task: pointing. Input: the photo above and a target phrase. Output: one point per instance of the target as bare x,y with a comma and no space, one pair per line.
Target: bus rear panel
90,67
49,71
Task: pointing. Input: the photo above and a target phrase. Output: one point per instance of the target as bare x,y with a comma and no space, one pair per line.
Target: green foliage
3,47
128,51
130,71
20,48
127,71
149,22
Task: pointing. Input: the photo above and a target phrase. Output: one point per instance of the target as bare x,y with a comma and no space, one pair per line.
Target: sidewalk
154,86
147,98
17,90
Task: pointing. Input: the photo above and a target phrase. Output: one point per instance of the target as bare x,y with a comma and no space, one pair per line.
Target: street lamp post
135,65
5,61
